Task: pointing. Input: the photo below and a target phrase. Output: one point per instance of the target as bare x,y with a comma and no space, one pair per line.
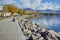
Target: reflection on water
50,22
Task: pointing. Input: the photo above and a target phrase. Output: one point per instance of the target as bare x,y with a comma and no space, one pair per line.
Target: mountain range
43,11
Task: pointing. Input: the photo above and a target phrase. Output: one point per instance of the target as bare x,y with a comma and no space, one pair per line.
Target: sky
34,4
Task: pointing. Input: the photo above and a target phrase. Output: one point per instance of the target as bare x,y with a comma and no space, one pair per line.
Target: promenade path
10,30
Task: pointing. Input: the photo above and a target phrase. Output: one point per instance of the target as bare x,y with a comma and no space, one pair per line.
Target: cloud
30,3
34,4
9,1
57,7
48,5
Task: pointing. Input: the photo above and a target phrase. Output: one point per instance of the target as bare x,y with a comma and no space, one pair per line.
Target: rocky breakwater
34,31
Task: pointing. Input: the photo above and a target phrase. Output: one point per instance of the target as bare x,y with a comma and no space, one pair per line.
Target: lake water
50,22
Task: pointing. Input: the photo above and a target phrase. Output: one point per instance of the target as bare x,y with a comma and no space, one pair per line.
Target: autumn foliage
10,8
14,9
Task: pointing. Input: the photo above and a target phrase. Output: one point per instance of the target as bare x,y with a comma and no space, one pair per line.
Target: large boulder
59,33
38,35
29,32
43,29
41,38
34,37
28,27
25,31
54,33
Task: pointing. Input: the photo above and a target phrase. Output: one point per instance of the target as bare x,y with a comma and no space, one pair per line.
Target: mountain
58,11
43,11
28,9
47,10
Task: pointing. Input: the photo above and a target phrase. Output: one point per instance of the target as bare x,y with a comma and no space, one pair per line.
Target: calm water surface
50,22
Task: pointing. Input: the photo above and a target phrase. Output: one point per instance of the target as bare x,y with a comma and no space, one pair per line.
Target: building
7,14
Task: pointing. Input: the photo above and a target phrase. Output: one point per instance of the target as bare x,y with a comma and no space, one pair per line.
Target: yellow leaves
26,12
20,11
5,9
10,8
13,9
35,13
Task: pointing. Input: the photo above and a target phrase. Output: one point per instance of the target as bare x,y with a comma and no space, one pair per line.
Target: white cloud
9,2
57,7
30,3
44,6
34,4
48,5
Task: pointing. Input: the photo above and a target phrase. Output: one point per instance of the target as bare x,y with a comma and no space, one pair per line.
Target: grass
2,19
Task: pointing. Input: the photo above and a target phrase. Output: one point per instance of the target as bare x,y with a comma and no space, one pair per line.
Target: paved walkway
10,31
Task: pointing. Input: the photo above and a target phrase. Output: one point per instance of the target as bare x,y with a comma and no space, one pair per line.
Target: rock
34,37
33,33
50,39
38,32
32,30
35,29
39,28
29,32
41,38
54,33
30,38
59,33
34,26
25,31
49,36
38,35
27,27
37,24
24,19
44,35
43,29
23,23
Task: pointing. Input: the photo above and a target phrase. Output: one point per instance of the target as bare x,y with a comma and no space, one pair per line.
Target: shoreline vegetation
50,14
11,9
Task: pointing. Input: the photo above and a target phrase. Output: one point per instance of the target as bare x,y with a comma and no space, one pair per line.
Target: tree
10,8
26,12
20,11
5,8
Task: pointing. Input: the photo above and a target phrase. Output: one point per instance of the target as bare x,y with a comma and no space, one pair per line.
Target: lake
50,22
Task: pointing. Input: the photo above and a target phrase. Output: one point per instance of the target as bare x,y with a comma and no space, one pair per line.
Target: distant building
7,14
4,14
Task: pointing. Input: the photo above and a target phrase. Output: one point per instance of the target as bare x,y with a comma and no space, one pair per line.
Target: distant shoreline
49,14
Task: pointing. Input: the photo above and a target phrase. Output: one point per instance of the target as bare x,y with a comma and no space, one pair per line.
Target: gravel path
10,31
